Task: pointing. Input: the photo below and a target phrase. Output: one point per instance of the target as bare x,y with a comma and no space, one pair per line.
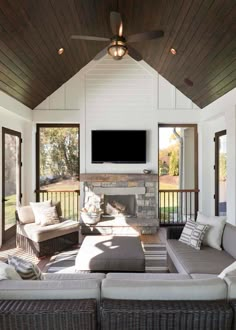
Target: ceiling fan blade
100,54
145,36
116,23
78,37
134,54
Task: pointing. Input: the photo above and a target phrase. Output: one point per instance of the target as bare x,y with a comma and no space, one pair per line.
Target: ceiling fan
118,43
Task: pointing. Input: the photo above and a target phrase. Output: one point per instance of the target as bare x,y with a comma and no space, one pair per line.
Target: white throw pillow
214,234
37,207
48,216
25,214
230,270
8,272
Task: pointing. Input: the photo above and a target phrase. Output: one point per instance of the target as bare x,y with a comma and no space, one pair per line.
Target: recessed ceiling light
188,82
173,51
60,51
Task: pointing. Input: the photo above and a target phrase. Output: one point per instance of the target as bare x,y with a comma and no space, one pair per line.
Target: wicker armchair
45,241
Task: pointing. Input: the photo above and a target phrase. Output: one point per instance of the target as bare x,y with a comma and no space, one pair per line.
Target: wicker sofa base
165,315
49,247
48,314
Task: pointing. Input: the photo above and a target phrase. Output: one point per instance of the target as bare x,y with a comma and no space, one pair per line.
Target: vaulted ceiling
202,31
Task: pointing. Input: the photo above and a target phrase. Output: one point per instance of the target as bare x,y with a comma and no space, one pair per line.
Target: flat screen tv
119,146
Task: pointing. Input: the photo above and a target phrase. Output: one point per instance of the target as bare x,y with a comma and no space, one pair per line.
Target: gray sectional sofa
118,301
191,297
204,263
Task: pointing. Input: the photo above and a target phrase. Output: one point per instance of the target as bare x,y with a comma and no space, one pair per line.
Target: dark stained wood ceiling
202,31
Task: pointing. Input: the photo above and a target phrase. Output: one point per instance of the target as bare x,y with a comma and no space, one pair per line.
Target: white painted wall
218,116
112,94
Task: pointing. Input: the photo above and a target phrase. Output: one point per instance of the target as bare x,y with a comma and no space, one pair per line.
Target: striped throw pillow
26,269
187,232
193,234
198,235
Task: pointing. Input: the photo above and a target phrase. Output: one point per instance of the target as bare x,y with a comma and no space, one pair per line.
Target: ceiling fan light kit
118,46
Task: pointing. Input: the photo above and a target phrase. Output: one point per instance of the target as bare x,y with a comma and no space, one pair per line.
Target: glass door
220,172
11,180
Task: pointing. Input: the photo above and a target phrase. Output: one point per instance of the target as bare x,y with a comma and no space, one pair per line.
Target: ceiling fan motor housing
117,48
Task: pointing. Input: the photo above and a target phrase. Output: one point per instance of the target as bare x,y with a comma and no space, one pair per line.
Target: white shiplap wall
125,94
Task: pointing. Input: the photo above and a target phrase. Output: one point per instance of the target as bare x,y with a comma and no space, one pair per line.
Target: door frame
11,231
216,167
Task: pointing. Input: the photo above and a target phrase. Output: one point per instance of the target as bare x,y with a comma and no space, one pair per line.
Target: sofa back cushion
206,289
229,239
64,289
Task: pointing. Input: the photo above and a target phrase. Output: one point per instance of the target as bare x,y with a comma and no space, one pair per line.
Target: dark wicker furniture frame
166,315
48,247
48,314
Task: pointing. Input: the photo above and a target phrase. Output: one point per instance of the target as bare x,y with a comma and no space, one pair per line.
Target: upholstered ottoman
111,253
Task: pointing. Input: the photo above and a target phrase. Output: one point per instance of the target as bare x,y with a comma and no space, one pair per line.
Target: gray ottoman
111,253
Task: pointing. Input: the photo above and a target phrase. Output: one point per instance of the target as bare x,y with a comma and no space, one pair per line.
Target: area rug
155,260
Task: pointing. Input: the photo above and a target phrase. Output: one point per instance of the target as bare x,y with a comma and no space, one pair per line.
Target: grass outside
10,208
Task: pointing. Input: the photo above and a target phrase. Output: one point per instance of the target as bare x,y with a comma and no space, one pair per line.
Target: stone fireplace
133,196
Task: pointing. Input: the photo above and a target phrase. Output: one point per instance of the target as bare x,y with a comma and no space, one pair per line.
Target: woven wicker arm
165,315
173,232
48,314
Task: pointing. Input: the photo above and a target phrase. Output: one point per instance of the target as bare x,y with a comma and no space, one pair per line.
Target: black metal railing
177,206
69,201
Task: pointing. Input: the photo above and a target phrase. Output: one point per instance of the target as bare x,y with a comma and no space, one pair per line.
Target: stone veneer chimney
143,186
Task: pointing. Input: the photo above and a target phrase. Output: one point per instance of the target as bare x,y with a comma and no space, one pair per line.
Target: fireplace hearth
129,198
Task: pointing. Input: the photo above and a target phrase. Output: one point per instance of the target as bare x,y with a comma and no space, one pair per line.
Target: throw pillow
8,272
58,207
26,269
197,235
48,216
25,214
37,207
216,225
187,232
230,270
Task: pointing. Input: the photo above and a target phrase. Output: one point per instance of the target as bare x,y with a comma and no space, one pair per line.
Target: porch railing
69,201
177,206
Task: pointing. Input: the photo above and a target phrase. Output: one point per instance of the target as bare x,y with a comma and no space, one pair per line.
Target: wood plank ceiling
202,31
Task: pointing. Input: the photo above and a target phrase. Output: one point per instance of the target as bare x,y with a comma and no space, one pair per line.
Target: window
220,172
57,169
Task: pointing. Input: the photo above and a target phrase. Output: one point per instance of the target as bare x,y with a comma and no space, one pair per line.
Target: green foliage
59,151
174,161
223,167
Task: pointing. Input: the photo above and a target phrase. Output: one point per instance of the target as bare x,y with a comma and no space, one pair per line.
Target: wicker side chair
45,241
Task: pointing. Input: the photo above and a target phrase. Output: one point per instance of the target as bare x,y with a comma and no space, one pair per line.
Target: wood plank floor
9,248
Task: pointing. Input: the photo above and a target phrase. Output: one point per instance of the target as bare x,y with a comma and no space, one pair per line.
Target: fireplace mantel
121,177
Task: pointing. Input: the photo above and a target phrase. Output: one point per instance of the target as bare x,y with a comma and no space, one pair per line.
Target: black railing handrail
59,191
179,190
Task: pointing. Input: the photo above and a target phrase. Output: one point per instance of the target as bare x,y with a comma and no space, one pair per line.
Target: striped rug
155,260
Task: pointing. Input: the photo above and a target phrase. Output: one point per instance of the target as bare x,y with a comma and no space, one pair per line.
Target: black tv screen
119,146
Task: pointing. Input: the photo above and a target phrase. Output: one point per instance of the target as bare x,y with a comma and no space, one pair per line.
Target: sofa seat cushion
206,289
75,276
39,234
148,276
205,261
64,289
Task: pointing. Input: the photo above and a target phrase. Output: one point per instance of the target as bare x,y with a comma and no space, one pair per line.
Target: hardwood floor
9,248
